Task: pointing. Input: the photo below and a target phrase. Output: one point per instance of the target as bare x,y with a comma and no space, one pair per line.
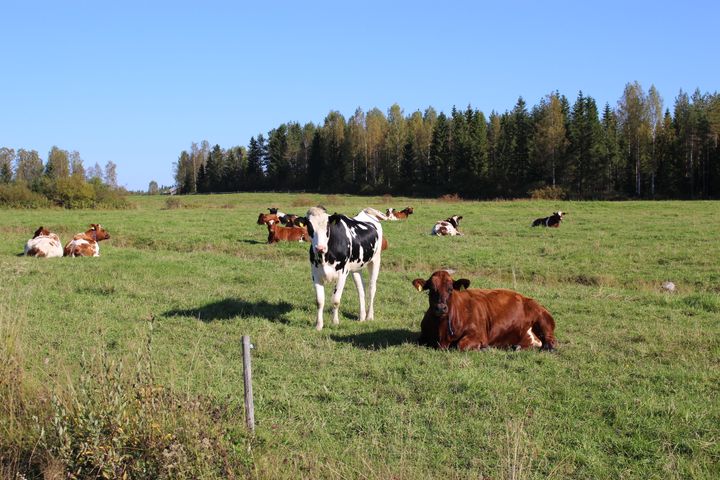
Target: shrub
549,192
450,198
18,195
173,203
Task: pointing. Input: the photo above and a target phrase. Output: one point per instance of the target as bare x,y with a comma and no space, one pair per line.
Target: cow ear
420,284
93,226
461,283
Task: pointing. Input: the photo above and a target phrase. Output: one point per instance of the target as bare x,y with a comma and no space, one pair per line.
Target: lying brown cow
479,318
277,233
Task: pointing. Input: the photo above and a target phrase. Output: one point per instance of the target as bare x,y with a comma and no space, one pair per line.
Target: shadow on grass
234,307
253,242
379,339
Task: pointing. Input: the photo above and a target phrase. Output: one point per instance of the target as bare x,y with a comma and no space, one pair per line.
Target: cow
551,221
476,319
393,214
87,244
340,246
288,219
44,243
264,218
449,226
277,233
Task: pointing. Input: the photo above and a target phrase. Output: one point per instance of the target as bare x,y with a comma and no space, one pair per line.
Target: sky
136,82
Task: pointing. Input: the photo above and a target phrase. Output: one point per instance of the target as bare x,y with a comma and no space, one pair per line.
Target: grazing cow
393,214
449,226
44,244
340,246
551,221
277,233
87,244
480,318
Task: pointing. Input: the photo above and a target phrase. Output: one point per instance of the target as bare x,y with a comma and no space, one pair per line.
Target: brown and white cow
277,233
86,244
403,214
44,243
449,226
479,318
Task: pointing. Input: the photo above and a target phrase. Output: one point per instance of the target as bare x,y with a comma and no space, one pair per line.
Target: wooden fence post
247,376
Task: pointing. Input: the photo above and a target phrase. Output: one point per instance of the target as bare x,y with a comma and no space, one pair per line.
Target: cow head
99,231
408,210
560,213
41,231
273,210
455,221
318,226
441,287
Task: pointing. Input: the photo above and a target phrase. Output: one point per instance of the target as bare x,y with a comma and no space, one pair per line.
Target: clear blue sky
136,82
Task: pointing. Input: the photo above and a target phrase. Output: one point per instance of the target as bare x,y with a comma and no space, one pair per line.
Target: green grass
631,393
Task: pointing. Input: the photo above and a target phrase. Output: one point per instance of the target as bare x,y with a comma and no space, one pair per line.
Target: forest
555,149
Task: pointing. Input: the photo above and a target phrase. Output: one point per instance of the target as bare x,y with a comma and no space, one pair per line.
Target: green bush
18,195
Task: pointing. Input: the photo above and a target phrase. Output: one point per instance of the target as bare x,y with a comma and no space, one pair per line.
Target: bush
18,195
549,192
173,203
450,198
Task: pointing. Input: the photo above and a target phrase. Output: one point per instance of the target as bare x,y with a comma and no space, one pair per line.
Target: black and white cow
551,221
340,246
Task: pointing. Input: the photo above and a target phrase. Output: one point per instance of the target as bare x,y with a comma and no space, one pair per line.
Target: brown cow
393,214
277,233
264,218
480,318
86,244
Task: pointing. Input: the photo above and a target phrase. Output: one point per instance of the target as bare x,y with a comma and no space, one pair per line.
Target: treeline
640,149
26,181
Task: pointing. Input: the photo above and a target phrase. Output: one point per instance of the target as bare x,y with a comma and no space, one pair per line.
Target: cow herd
467,319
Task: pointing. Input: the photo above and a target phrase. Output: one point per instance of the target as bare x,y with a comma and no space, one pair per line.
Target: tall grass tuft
115,421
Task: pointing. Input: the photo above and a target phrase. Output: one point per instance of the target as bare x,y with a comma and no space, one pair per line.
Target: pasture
632,391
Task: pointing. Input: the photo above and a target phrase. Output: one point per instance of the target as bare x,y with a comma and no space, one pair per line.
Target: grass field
632,391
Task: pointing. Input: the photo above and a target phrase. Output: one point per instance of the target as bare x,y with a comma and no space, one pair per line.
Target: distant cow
87,244
276,233
44,244
288,219
340,246
480,318
393,214
551,221
449,226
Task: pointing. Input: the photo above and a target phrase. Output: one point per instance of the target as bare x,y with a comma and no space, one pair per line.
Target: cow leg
472,343
357,278
320,300
337,295
373,271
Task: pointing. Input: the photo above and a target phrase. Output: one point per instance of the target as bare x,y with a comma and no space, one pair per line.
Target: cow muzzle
441,309
321,248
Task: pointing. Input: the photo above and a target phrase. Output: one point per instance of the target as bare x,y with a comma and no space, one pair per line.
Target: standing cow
340,246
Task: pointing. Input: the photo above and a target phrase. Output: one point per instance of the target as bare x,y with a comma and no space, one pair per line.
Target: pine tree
254,174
